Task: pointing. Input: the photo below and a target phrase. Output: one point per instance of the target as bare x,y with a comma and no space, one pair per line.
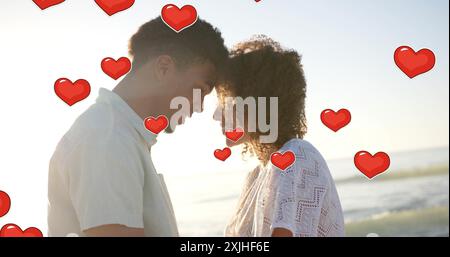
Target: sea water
410,199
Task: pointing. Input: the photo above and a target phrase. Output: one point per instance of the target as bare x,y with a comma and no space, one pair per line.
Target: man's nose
218,114
202,103
198,101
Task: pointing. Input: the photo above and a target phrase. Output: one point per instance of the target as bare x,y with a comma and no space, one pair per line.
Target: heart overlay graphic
156,125
222,154
116,69
72,93
336,120
372,166
235,135
112,7
282,160
44,4
5,203
179,19
412,63
12,230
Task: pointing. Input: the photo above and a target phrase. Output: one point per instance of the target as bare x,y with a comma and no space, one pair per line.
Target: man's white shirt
102,173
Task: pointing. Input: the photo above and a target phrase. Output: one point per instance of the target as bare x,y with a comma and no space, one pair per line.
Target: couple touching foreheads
102,181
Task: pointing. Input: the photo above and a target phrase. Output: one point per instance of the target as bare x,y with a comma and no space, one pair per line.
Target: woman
302,199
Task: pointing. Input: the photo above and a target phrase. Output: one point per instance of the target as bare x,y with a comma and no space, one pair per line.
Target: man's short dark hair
200,42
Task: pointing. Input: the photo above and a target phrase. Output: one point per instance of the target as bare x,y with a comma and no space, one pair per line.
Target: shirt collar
124,109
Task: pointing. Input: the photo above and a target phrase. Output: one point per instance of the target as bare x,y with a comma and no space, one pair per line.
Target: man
102,181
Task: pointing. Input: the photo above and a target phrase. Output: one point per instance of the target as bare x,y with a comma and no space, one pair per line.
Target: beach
410,199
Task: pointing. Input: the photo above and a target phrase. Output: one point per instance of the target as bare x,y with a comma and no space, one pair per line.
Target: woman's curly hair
260,67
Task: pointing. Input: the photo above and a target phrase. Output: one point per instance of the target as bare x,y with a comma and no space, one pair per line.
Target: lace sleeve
299,195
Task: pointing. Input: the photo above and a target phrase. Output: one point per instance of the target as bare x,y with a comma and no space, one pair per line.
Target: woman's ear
164,67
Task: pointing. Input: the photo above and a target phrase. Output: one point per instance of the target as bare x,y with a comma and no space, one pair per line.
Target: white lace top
302,198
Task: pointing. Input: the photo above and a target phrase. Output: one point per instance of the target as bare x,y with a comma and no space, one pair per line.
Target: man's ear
164,66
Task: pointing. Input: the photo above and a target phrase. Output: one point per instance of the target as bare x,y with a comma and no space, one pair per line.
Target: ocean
410,199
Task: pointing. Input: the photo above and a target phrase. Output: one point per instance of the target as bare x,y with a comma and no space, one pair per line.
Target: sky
347,52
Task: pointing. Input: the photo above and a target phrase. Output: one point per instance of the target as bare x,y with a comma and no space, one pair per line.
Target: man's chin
169,130
230,143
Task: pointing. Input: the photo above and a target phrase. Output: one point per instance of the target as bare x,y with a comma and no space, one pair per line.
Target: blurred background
347,48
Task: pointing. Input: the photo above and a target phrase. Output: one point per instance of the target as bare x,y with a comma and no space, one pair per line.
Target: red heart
44,4
222,154
12,230
156,125
372,165
336,120
116,69
412,63
72,93
179,19
5,203
235,135
283,161
112,7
